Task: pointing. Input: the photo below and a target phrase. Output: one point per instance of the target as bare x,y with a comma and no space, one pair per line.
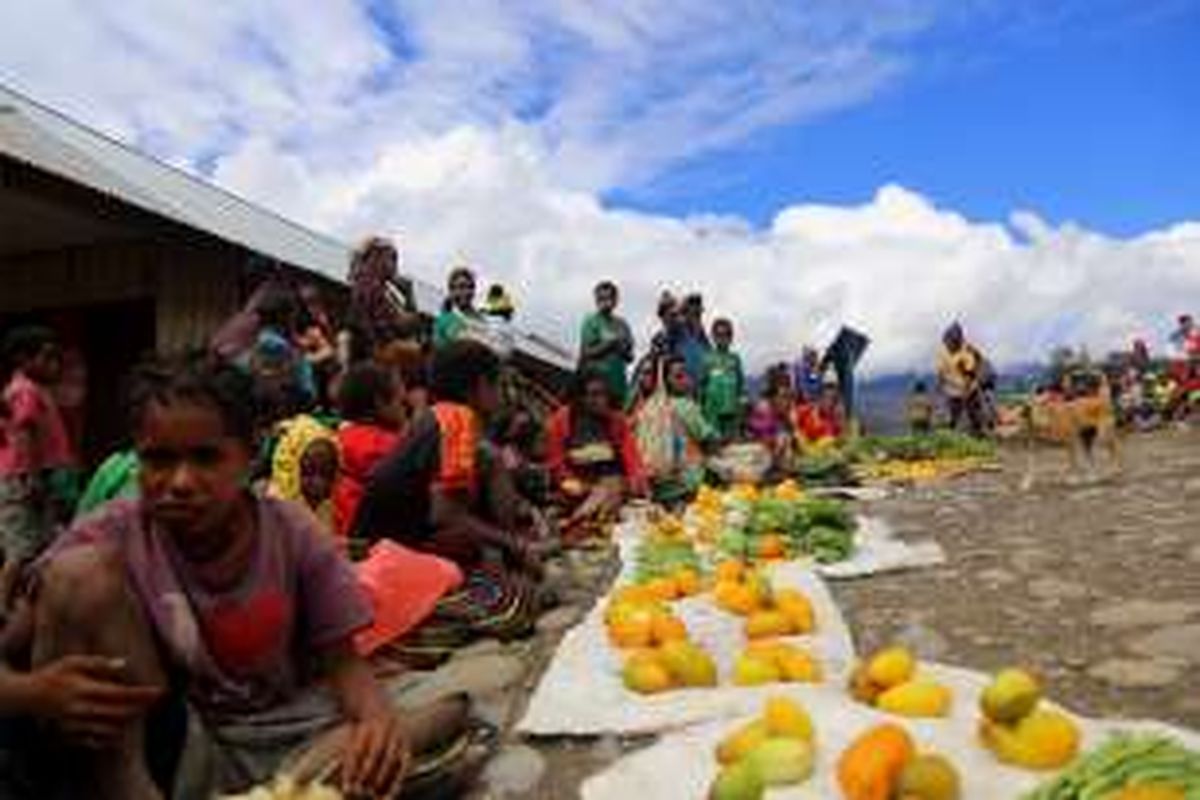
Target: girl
245,599
304,467
592,454
373,410
772,422
677,431
37,461
459,310
723,384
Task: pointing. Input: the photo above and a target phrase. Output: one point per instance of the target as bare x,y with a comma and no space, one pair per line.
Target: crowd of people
319,509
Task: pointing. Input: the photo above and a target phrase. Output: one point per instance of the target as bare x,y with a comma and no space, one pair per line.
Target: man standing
606,343
959,370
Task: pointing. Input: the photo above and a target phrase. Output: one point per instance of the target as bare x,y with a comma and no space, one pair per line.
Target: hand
376,759
88,699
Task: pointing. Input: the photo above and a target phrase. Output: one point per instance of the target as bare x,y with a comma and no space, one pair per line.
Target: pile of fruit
1017,727
883,764
782,524
772,661
666,562
913,459
747,593
889,681
777,749
1128,767
662,656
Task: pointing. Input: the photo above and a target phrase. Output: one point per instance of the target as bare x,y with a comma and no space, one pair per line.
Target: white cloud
488,132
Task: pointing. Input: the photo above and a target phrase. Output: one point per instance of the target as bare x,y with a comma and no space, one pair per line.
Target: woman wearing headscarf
304,466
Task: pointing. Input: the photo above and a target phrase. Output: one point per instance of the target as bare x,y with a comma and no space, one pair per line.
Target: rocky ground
1094,584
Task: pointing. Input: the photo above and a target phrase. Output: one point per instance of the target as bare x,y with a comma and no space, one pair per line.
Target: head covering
297,435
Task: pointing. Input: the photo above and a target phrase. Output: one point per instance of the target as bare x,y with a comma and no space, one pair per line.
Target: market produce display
783,523
775,749
1019,730
285,788
889,680
1128,767
910,459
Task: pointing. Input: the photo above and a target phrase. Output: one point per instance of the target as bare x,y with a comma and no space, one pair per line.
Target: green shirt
448,326
721,385
612,331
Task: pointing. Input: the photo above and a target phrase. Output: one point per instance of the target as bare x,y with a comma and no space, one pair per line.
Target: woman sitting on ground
431,494
772,422
592,454
240,598
820,422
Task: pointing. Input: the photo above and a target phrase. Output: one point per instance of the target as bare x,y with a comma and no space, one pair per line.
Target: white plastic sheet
582,693
878,550
682,765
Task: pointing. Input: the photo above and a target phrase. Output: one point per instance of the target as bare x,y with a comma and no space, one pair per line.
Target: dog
1082,420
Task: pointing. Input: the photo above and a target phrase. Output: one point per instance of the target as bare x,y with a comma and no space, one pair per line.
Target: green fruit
740,781
782,762
1012,695
929,777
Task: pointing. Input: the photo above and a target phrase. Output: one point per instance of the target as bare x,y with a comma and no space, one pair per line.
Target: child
241,597
606,343
920,409
36,458
722,383
676,434
304,467
372,403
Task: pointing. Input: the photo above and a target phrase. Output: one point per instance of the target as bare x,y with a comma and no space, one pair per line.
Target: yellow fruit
688,664
1148,791
730,571
798,666
751,671
573,487
798,609
666,627
929,777
687,582
783,762
1045,739
916,699
891,667
742,741
645,674
635,630
785,717
738,599
765,624
634,595
1011,695
663,589
862,688
740,781
788,490
761,588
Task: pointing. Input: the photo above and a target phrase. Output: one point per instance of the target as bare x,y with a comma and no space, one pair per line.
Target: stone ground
1095,585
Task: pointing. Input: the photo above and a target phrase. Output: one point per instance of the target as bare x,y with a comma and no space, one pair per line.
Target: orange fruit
634,630
797,665
765,624
663,589
797,608
667,628
772,546
739,599
730,571
687,582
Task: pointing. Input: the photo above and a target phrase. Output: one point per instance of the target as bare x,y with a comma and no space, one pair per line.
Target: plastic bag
403,587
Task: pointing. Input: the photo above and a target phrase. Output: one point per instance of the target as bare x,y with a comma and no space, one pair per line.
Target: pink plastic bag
403,587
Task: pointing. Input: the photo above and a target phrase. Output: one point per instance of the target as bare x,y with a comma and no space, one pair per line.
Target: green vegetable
1125,759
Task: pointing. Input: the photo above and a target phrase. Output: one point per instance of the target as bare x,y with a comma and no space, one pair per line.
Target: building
124,254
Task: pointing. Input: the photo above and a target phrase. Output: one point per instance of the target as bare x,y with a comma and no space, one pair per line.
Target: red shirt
620,435
362,447
31,408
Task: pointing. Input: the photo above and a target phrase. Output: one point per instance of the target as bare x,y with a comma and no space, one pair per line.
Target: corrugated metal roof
54,143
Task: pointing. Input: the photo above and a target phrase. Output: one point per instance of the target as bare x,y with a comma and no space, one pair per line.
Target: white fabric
877,550
581,692
683,764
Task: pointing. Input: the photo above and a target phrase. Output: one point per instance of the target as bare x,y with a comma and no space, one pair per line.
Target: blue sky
1030,167
1093,119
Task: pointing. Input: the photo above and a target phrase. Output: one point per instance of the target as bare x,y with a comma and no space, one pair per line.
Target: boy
606,343
722,383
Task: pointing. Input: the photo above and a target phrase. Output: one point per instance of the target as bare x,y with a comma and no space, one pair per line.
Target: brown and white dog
1081,420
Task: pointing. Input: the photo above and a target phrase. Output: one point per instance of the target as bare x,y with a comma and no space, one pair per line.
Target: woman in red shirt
592,454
